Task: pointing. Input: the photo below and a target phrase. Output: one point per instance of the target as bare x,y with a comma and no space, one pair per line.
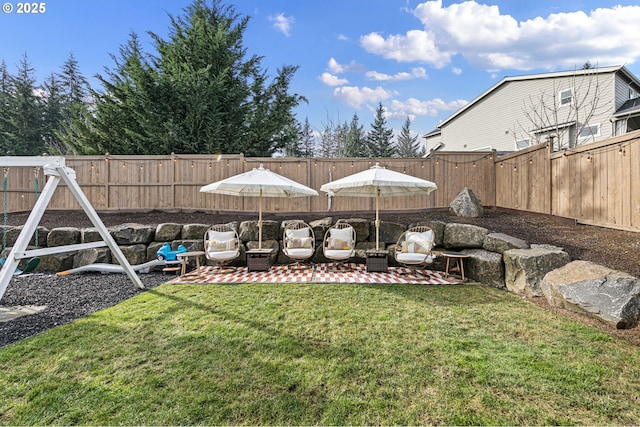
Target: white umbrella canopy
378,182
259,182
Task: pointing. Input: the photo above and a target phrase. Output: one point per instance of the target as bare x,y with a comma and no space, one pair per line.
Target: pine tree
199,93
408,145
24,120
355,144
379,138
307,141
6,105
53,115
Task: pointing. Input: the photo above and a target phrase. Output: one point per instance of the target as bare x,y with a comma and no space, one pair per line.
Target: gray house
564,109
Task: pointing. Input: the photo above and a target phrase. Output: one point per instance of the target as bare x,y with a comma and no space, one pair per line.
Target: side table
458,259
259,259
184,256
377,260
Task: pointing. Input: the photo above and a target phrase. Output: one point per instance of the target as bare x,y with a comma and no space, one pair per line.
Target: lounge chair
414,248
339,243
221,246
299,243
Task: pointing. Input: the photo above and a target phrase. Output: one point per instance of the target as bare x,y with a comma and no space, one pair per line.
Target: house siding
500,118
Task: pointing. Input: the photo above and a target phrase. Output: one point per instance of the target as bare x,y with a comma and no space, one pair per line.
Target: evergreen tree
304,146
328,143
53,115
379,138
355,144
24,120
408,145
6,105
200,93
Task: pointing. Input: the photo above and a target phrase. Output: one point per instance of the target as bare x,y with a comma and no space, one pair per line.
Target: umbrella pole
260,222
377,220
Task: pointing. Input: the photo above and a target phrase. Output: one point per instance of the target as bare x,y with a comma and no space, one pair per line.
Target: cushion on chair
341,233
414,258
299,253
297,234
221,235
223,255
301,242
414,236
338,254
222,245
334,243
419,247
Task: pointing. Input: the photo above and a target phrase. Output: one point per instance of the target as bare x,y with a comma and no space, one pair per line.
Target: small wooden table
184,256
259,259
377,260
458,258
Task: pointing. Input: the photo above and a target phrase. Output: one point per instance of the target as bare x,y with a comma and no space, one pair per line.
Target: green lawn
321,354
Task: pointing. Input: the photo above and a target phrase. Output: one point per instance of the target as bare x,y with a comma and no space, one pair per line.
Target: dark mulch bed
68,298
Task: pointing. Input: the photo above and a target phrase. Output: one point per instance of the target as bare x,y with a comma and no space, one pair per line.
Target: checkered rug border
320,273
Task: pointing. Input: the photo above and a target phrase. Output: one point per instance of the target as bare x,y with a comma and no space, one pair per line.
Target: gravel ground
70,297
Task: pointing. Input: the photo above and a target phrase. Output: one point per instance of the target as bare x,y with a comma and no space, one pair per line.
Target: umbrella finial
377,166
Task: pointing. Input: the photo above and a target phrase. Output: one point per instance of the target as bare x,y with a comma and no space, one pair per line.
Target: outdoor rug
320,273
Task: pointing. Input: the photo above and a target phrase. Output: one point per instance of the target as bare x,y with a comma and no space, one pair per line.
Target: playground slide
116,268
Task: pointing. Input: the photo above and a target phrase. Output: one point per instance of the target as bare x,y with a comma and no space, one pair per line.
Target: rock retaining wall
494,259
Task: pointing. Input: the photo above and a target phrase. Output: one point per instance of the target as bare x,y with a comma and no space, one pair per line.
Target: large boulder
500,242
389,232
466,205
63,236
524,269
596,291
92,256
485,267
361,226
320,227
135,254
168,231
193,231
249,231
133,234
464,235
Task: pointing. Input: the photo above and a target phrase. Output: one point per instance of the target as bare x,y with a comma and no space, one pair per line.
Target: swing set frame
56,171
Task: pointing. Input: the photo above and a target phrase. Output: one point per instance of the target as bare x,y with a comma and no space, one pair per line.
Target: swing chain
6,208
36,173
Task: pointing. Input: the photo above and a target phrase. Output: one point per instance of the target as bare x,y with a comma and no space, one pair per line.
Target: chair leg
300,265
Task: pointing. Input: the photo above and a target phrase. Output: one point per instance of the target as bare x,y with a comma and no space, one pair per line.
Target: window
633,93
522,143
589,131
566,97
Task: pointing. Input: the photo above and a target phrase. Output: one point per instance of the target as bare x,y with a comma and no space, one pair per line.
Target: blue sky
420,59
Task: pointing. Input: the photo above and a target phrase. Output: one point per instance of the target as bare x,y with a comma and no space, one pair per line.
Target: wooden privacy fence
173,182
596,183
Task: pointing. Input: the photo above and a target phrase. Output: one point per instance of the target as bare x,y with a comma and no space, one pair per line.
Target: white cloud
337,68
282,23
416,73
492,40
331,80
413,107
354,96
416,45
457,71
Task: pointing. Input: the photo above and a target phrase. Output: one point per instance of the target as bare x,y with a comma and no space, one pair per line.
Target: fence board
596,183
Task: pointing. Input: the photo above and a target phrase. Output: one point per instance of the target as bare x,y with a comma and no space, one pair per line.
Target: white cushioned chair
414,247
339,243
299,242
221,246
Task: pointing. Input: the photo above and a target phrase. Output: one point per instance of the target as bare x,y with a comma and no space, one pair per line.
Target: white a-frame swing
54,168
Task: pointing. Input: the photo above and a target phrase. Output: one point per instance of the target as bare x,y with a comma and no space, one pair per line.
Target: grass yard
321,354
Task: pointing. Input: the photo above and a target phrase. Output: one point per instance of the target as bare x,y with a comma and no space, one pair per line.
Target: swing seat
31,265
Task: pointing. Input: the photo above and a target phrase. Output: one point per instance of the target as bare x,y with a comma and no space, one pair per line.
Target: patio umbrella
259,182
378,182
